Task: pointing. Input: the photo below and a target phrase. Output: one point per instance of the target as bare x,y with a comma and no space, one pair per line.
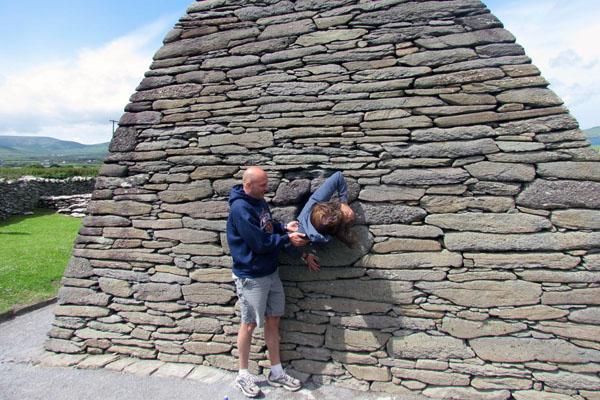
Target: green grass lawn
34,251
58,172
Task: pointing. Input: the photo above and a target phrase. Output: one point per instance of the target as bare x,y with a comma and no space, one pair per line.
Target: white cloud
562,40
75,98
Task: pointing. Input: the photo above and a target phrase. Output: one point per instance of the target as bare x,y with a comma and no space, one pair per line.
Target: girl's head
328,219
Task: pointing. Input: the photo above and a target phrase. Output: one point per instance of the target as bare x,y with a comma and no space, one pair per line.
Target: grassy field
59,172
34,251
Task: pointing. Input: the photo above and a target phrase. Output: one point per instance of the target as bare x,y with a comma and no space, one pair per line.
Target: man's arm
248,227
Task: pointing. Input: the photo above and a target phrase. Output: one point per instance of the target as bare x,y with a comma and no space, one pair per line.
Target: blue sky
67,67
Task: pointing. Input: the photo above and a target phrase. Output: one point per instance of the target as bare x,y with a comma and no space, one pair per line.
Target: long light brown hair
327,218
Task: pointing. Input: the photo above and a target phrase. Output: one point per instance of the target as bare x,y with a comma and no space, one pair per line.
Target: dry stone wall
25,194
477,196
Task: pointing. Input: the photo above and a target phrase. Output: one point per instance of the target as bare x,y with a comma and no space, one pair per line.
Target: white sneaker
247,384
285,381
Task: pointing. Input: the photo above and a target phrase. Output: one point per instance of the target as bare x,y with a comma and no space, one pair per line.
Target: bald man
255,240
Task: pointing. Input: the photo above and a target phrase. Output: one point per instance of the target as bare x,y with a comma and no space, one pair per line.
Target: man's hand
312,261
298,239
292,226
347,212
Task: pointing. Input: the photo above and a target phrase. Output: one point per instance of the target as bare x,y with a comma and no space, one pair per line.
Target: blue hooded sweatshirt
335,183
253,237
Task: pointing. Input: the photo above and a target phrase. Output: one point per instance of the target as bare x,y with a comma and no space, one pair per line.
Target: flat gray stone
465,393
384,193
453,78
526,260
532,313
410,12
475,38
395,292
538,395
489,293
512,349
590,296
140,118
586,316
344,305
115,287
558,194
199,325
451,204
384,322
426,176
80,296
432,377
323,37
490,222
560,276
119,208
467,241
204,44
458,133
202,348
124,140
505,172
385,104
146,319
577,219
537,97
436,58
207,293
465,329
283,30
351,340
63,346
577,170
292,192
455,149
397,230
412,260
424,346
179,193
187,235
78,268
367,213
568,380
571,330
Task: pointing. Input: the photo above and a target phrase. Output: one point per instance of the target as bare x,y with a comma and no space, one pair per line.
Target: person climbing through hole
323,218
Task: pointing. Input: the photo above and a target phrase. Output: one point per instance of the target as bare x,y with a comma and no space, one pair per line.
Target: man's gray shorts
260,297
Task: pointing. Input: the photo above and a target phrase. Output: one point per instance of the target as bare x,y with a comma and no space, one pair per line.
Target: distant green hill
593,135
24,149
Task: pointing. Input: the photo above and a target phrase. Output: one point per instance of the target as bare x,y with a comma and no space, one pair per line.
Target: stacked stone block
477,201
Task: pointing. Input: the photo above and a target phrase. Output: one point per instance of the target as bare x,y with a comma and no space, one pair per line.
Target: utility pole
113,126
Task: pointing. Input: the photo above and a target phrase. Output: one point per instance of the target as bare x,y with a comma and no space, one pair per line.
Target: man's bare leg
244,339
273,339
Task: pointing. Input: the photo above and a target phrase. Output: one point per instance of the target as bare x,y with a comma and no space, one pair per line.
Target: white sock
276,371
243,372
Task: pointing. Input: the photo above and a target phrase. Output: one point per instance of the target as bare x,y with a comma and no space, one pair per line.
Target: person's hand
347,212
312,261
298,239
292,226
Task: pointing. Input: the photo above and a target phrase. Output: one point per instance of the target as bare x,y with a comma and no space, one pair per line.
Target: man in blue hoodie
255,240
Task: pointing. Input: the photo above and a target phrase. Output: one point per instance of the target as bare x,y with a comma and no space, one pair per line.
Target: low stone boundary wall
22,195
73,205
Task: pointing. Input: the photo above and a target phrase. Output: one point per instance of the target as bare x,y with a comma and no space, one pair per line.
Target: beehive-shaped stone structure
478,202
